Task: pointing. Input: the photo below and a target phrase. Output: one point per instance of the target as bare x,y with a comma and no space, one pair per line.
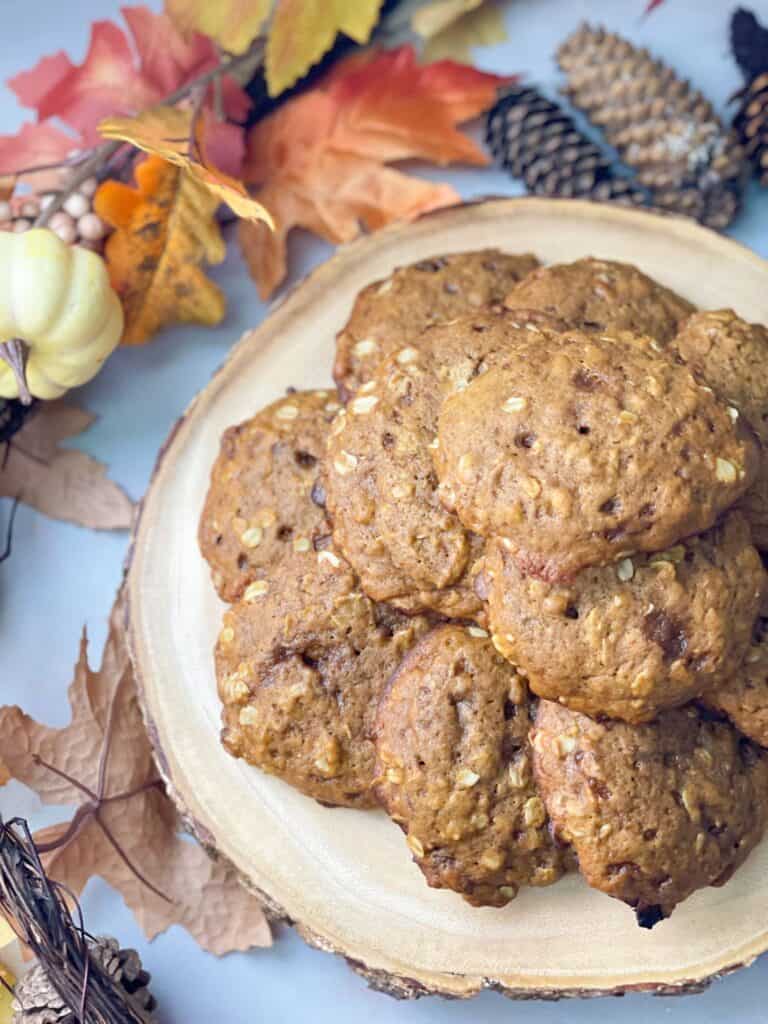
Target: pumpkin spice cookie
744,696
630,639
391,314
586,448
260,509
301,661
379,478
454,769
604,296
731,355
653,811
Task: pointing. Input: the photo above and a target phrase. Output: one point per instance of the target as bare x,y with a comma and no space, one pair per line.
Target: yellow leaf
433,17
6,998
481,27
165,229
304,30
168,132
234,24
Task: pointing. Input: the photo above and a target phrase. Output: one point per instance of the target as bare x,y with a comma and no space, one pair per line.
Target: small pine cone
749,42
36,1001
660,126
534,139
751,124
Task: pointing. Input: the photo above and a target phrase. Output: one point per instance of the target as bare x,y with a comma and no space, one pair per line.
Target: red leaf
224,145
33,145
32,87
652,5
107,82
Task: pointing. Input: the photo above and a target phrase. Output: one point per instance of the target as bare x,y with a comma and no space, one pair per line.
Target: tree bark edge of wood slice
344,878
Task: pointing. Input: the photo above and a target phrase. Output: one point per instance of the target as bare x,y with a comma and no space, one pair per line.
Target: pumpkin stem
14,352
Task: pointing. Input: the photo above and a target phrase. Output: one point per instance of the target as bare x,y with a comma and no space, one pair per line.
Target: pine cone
751,123
534,139
660,126
36,1001
749,42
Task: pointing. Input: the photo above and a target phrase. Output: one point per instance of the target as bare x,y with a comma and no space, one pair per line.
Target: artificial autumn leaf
168,132
165,228
119,77
4,772
63,483
317,161
36,145
432,18
482,26
234,24
302,31
128,823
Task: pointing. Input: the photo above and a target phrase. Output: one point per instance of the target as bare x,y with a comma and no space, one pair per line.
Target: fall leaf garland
126,829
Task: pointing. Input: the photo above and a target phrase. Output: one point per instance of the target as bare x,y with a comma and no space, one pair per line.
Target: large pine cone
36,1001
534,139
661,126
751,123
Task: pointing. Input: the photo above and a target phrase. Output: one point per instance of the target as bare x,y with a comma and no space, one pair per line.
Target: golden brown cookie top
631,639
454,769
653,811
260,508
604,296
731,356
379,476
300,662
392,313
743,697
583,448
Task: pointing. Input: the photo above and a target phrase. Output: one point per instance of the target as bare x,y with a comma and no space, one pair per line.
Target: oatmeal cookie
391,314
454,769
744,696
653,811
379,477
604,296
259,509
731,355
628,640
301,661
587,448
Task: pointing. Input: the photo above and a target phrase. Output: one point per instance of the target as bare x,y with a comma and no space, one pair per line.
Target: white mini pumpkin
57,300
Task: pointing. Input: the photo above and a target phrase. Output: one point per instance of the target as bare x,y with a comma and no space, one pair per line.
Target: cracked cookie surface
390,314
583,448
259,509
602,295
744,696
301,661
653,811
454,769
628,640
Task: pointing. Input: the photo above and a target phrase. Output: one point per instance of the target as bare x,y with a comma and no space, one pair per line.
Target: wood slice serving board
345,878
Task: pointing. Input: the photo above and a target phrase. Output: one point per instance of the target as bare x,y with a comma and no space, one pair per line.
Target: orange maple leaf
165,228
125,830
317,162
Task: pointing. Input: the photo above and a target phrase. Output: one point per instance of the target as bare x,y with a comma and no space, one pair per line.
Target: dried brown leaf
202,895
62,483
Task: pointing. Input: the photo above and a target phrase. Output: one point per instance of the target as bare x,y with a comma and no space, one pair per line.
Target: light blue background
61,577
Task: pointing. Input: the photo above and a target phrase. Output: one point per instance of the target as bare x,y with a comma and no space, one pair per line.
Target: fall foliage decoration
164,230
661,126
125,830
536,140
749,42
59,317
75,976
63,483
321,160
450,28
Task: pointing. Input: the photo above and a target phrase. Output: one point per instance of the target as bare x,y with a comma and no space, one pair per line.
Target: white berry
89,186
63,226
21,224
76,205
30,208
91,227
5,210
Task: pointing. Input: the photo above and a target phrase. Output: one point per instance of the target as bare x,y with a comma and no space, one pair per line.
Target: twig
86,170
14,353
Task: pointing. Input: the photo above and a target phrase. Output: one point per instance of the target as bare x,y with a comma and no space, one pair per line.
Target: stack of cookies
505,580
